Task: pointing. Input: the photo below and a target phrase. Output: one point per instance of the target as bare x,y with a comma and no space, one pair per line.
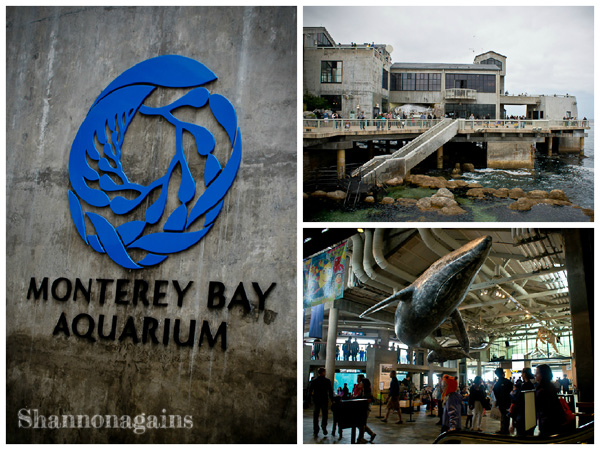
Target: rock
457,166
396,181
550,201
468,167
406,201
336,195
452,184
522,204
501,193
424,204
474,185
476,192
443,192
304,195
387,201
490,191
369,199
460,183
516,193
452,210
408,178
558,194
442,202
537,194
319,194
456,172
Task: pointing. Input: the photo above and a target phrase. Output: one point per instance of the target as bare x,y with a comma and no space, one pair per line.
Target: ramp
383,168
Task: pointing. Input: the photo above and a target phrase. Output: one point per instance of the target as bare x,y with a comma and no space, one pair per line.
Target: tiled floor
422,431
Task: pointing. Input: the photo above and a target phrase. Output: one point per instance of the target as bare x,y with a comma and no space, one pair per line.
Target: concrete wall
362,73
510,155
555,108
58,61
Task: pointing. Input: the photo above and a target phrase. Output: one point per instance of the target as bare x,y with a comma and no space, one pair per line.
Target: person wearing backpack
476,401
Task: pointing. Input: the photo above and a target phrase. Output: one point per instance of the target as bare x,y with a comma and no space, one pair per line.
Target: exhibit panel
470,315
147,298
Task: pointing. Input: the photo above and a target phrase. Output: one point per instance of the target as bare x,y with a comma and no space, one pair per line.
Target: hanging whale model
435,296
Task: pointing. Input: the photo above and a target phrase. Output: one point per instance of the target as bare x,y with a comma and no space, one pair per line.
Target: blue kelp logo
99,182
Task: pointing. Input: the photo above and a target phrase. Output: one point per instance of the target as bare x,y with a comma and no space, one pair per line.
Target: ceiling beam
516,277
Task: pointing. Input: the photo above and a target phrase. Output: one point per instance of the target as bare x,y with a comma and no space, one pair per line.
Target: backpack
569,416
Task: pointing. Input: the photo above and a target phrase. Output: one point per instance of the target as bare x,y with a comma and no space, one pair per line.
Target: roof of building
443,66
491,51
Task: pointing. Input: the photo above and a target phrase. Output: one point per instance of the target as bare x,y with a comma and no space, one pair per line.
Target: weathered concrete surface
510,155
58,61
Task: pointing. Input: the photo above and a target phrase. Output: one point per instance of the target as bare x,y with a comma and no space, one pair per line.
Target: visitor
502,390
393,400
364,391
550,414
362,354
346,391
451,418
518,408
321,391
437,397
564,384
476,402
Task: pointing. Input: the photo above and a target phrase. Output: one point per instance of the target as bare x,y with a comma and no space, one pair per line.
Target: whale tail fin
404,295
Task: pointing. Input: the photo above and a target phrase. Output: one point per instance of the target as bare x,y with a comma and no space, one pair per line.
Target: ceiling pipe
369,263
431,242
357,265
381,260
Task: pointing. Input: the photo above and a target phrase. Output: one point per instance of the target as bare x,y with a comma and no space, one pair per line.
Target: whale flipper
460,330
404,295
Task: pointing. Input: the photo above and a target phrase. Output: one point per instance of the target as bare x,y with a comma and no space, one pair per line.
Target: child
469,422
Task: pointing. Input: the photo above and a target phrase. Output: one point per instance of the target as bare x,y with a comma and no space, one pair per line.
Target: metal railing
347,125
366,124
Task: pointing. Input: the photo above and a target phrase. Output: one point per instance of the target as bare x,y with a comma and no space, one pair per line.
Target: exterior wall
510,155
362,74
58,60
555,107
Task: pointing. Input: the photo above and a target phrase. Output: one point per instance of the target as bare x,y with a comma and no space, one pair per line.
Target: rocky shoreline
444,202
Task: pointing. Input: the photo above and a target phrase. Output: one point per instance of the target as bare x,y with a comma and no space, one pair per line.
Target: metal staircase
385,167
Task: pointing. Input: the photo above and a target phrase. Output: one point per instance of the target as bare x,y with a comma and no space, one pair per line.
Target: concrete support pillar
385,336
371,150
341,164
411,355
581,142
568,145
511,155
579,245
549,145
331,338
527,363
479,372
440,157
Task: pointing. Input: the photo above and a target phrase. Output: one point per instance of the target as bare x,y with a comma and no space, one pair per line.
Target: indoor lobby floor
422,431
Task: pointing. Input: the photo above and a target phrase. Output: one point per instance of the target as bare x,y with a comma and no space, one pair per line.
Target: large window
331,71
492,61
416,82
323,41
478,82
384,79
464,111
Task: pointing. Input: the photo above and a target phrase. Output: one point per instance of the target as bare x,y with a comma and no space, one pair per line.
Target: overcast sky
549,50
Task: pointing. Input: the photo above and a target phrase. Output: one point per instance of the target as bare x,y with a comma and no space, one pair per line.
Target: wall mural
324,276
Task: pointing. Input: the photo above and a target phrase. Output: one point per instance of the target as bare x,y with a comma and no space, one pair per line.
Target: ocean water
573,174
